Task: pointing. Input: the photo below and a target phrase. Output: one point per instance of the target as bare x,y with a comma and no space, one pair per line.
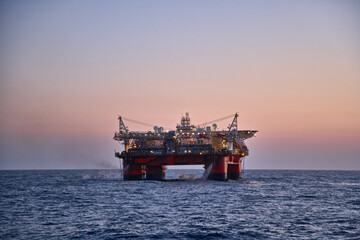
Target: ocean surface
96,204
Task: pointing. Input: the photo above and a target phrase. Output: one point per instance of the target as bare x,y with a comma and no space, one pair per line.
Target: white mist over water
102,175
187,177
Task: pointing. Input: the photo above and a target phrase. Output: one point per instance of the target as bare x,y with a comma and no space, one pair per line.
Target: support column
219,169
156,172
234,171
133,172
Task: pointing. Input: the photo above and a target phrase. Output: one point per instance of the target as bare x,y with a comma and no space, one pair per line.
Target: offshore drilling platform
147,154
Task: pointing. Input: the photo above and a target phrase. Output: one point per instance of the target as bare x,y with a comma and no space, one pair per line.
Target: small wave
252,182
86,177
215,235
306,196
354,202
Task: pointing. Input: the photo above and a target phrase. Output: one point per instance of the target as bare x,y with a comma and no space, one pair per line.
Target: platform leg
219,169
156,172
133,172
234,171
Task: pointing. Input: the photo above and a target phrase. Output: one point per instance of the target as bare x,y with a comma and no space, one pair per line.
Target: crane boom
138,122
216,120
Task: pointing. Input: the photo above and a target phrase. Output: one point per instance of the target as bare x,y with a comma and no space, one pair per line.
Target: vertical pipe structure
219,169
155,172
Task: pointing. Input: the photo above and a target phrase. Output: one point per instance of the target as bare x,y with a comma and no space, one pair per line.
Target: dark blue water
96,204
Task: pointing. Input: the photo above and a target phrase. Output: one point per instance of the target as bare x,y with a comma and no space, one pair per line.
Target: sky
69,68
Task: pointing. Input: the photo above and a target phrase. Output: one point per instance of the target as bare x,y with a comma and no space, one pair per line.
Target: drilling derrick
146,154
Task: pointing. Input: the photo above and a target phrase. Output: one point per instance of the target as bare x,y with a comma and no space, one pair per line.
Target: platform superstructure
146,154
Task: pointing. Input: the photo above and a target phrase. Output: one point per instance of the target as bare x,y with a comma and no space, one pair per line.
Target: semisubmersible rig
147,154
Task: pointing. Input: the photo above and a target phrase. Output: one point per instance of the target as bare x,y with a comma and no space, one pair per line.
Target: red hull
222,167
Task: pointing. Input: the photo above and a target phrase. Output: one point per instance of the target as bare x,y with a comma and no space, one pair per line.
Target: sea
97,204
